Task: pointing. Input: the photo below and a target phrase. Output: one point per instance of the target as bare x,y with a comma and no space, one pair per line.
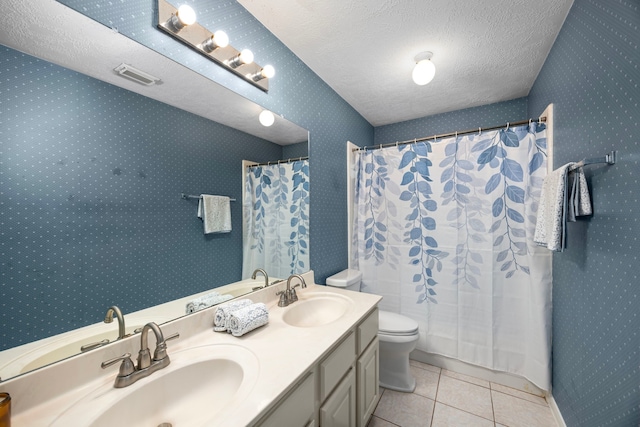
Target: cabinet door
339,410
368,389
297,408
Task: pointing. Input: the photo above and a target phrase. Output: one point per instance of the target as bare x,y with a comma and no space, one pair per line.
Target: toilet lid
396,324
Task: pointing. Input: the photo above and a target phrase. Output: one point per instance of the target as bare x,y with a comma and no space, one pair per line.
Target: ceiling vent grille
136,75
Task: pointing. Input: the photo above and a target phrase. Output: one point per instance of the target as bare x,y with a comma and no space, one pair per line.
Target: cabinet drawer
367,330
333,368
297,408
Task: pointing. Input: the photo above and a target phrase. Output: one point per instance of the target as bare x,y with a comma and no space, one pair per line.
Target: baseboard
557,415
502,378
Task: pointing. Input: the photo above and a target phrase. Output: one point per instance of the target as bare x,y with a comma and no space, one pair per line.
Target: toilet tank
346,279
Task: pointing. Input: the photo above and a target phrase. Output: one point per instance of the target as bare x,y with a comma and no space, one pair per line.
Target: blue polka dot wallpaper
592,76
91,214
295,92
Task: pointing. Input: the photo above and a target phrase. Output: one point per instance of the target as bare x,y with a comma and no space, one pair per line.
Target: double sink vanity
314,364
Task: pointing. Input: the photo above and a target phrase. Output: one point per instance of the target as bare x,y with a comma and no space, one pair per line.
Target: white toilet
398,336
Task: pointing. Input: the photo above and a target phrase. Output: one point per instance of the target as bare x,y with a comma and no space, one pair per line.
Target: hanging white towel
205,301
215,212
248,318
550,225
223,312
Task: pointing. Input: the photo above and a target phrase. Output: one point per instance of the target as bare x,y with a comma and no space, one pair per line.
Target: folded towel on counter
579,200
248,318
215,212
223,312
205,301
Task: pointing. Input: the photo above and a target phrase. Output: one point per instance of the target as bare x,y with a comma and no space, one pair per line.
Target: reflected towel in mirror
205,301
215,212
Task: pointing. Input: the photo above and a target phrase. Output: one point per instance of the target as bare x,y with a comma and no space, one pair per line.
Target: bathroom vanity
314,364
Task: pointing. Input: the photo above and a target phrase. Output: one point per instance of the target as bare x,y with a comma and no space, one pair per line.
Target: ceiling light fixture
218,39
185,16
424,71
266,118
266,73
244,57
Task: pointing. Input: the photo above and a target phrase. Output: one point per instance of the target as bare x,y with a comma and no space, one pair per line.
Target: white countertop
285,354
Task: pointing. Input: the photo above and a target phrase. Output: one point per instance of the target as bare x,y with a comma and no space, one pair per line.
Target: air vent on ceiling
136,75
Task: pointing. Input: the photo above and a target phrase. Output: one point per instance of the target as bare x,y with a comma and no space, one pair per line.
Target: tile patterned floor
444,398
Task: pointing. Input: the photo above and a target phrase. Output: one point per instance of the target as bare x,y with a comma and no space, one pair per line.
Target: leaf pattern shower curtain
444,232
276,219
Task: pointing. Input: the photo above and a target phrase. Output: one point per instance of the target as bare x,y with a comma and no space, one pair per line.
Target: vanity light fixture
180,23
244,57
424,71
266,118
136,75
266,73
183,17
218,39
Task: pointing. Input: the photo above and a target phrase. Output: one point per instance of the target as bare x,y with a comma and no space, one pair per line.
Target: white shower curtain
444,232
276,219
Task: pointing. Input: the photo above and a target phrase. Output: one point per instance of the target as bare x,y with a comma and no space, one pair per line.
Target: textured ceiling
484,51
41,28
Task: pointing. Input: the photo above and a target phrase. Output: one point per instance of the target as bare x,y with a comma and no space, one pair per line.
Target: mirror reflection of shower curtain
444,232
276,219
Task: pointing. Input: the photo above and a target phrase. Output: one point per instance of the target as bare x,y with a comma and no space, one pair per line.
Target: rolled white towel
205,301
223,311
248,318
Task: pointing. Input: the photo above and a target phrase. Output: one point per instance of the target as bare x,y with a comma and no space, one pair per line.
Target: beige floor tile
405,409
516,412
467,378
379,422
466,396
424,366
519,393
447,416
426,382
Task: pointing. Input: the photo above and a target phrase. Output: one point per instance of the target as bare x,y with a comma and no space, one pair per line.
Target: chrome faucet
289,296
264,273
108,318
129,373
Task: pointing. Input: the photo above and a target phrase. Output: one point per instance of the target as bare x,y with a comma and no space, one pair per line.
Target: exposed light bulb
268,72
183,17
218,39
423,72
266,118
246,56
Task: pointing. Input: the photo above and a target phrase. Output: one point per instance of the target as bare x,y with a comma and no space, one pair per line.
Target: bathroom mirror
92,178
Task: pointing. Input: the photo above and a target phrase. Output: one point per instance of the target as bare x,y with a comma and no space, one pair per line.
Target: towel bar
609,159
191,196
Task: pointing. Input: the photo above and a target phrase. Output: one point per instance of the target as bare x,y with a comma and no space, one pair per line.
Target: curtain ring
380,146
396,144
507,126
456,135
529,122
479,131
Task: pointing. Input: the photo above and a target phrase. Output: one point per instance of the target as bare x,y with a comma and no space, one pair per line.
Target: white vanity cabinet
341,390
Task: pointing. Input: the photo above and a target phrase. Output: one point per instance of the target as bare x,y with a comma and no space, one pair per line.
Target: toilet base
395,371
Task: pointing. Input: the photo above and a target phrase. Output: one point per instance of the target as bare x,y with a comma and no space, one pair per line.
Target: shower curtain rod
292,159
445,135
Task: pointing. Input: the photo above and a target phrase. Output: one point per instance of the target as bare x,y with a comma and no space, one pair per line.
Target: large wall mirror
91,179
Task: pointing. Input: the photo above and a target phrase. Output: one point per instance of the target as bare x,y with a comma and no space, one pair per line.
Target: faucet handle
161,348
126,367
284,298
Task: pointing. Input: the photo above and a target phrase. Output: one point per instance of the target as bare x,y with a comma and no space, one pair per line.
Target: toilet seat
393,324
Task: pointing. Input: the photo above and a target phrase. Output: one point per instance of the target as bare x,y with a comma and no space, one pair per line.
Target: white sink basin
316,309
194,389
